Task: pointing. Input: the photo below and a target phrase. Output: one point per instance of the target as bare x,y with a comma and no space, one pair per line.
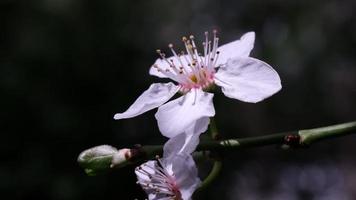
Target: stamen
209,53
193,70
214,56
195,49
217,57
190,52
177,57
206,47
161,182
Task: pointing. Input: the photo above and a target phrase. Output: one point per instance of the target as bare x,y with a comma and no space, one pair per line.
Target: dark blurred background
66,67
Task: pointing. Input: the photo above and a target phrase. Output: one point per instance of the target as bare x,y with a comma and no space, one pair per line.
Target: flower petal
186,142
186,174
248,79
156,95
163,65
150,168
237,48
200,126
176,116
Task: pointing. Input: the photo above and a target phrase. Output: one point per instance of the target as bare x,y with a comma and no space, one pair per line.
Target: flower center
159,181
194,78
190,68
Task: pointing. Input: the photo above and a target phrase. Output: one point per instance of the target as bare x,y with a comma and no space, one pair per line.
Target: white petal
156,95
248,79
186,174
186,142
174,145
152,196
237,48
148,166
200,126
163,65
176,116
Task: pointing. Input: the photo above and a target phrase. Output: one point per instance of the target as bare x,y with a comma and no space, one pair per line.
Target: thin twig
292,139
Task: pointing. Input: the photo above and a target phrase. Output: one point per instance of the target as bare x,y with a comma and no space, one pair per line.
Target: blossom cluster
182,120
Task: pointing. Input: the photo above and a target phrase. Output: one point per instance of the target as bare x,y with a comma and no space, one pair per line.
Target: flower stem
313,135
291,139
215,171
217,166
299,138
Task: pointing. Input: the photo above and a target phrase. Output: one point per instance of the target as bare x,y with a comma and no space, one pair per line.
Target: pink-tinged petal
156,95
176,116
237,48
248,79
186,174
169,178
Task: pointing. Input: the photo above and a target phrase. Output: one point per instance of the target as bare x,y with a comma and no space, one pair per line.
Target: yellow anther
194,78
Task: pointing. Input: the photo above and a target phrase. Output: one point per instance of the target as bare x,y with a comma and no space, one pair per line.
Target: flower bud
102,158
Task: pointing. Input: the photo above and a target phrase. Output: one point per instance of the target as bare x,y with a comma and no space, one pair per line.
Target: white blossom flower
170,178
228,66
